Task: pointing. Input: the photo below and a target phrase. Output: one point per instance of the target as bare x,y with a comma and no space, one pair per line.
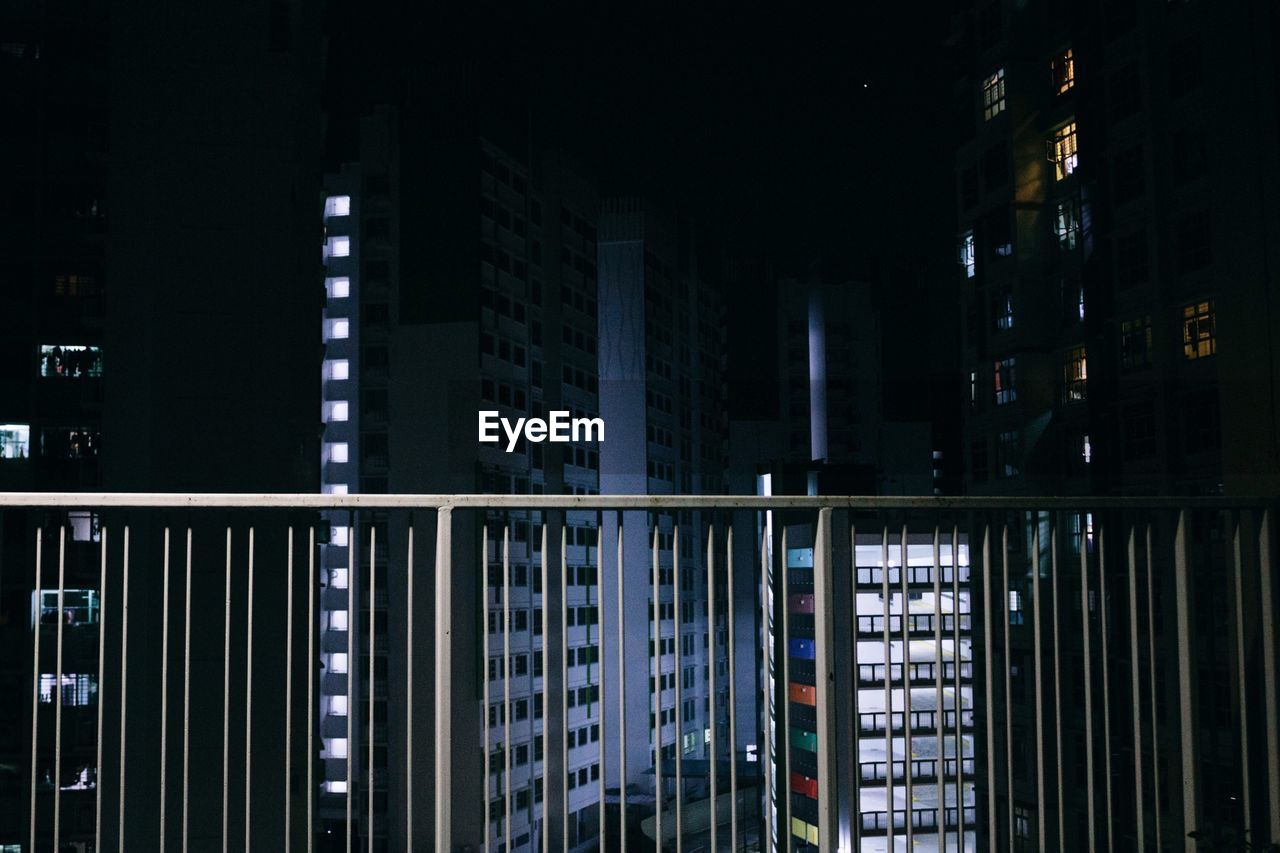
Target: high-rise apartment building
127,276
662,396
460,278
1115,245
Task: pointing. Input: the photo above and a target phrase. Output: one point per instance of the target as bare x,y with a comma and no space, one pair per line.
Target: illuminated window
1005,381
15,441
338,287
1007,444
1003,309
76,689
1135,342
993,95
1199,339
337,369
1086,449
334,489
1063,69
337,205
337,330
968,256
338,247
1015,607
1067,223
337,410
337,451
1062,151
338,663
79,606
70,361
1074,375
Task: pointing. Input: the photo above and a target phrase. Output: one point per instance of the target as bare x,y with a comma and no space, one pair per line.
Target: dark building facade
144,298
1116,253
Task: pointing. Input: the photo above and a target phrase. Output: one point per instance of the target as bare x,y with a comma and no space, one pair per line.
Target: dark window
1195,248
1131,258
1185,69
978,460
1190,156
1200,422
995,166
1125,91
1135,342
279,31
969,188
1139,430
1130,174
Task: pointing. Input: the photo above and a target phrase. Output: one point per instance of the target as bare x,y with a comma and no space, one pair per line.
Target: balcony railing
1090,618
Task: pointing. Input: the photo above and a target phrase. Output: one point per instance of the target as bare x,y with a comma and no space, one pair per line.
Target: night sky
810,133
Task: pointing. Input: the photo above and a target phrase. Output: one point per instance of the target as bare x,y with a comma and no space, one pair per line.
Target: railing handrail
264,500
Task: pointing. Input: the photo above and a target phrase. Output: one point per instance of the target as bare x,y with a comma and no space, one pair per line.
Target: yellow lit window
1199,339
1063,69
993,95
1062,151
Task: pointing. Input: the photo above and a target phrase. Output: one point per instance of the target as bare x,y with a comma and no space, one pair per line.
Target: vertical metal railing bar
1008,686
939,703
288,689
771,711
57,720
622,703
600,632
1037,673
824,678
248,707
1135,679
373,615
311,676
506,684
226,700
784,595
855,776
1186,720
124,683
1266,593
711,672
1103,612
958,676
102,682
444,655
655,655
486,746
546,692
186,702
904,575
733,709
164,694
1088,678
564,686
888,683
408,702
1151,673
1242,683
1057,682
408,689
35,687
989,686
353,575
677,616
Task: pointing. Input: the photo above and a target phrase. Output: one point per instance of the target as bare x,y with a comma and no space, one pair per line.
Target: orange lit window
1074,375
1062,151
1063,69
1199,338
